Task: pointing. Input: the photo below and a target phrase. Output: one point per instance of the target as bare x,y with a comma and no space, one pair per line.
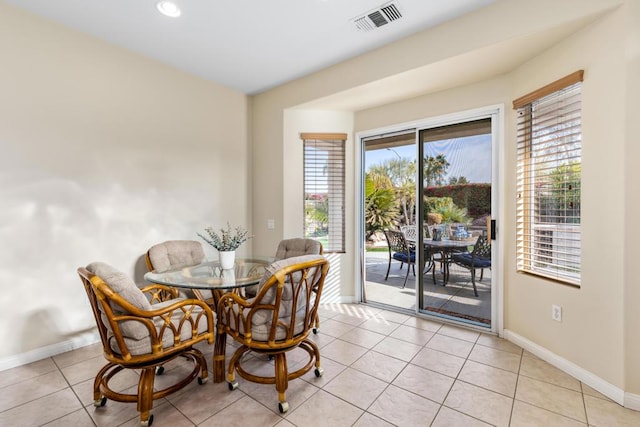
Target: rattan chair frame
102,298
307,281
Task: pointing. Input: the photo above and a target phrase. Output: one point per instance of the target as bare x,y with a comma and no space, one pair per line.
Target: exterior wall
104,153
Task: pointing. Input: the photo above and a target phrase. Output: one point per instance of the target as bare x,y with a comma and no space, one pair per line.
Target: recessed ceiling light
168,8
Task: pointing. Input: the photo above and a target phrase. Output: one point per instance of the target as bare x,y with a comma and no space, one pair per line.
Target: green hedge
475,197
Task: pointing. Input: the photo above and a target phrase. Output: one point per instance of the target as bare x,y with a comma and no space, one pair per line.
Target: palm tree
435,169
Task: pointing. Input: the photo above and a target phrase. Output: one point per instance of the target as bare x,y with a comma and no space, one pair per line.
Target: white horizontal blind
324,190
549,134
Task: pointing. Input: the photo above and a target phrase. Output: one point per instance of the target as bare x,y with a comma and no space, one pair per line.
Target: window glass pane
549,169
324,172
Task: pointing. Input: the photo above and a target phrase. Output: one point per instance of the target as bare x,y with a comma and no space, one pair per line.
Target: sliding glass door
432,188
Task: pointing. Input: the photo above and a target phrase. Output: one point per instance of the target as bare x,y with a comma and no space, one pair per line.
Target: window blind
324,189
549,150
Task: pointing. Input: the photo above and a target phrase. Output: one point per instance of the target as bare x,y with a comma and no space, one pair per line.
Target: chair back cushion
296,247
174,254
122,284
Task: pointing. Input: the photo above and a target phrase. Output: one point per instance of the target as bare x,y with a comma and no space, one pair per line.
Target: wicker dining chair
174,254
276,321
140,336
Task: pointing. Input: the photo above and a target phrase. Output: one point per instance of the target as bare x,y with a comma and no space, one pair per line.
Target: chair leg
481,273
282,380
406,276
145,395
388,269
473,280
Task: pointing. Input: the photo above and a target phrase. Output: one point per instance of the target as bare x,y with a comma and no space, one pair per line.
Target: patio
453,301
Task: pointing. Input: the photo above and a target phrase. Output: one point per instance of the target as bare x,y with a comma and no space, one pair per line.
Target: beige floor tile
543,371
83,370
485,376
32,389
284,423
201,402
122,381
331,370
379,365
551,397
164,414
41,411
601,413
425,324
450,345
298,391
342,352
526,415
499,344
25,372
424,382
449,418
369,420
412,335
362,337
479,403
593,392
460,333
321,339
438,361
76,356
324,409
402,408
356,387
380,326
526,353
334,328
496,358
351,319
392,316
397,348
79,418
236,415
116,413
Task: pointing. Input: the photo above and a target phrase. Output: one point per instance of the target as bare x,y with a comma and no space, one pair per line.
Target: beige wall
598,334
104,153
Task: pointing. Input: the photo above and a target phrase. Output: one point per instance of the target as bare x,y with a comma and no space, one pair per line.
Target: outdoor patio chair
400,250
478,258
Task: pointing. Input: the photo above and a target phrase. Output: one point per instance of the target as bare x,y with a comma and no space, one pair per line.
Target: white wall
104,153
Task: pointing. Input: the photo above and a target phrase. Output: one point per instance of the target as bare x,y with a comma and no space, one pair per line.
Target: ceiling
247,45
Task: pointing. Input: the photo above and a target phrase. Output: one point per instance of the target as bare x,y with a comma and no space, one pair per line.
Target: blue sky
469,156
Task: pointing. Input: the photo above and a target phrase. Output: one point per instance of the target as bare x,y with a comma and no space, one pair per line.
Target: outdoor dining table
445,247
210,276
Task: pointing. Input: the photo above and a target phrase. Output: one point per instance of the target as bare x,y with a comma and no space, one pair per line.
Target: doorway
439,175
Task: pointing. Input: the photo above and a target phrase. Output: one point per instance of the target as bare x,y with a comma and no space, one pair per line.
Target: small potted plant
226,242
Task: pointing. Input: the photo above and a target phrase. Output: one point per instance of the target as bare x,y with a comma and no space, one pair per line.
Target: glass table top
209,275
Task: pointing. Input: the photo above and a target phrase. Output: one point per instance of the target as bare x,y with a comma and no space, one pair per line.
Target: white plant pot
227,259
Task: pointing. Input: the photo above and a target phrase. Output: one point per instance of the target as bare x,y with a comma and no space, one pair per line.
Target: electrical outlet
556,313
271,224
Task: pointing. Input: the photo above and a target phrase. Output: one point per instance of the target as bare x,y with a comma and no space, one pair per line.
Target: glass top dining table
210,276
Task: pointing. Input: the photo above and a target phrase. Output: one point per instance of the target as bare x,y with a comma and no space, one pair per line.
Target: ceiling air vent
376,18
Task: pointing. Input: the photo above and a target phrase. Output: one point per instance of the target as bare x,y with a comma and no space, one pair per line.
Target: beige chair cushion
174,254
262,318
296,247
138,345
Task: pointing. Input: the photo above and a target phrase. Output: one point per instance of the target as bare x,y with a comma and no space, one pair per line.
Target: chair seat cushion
402,257
142,345
468,260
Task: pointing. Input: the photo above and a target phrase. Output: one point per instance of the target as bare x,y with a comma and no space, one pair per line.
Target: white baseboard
628,400
632,401
49,350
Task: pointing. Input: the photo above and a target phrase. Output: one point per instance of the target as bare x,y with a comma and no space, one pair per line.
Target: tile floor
381,368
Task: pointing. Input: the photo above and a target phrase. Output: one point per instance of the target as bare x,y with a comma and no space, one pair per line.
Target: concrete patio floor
455,300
